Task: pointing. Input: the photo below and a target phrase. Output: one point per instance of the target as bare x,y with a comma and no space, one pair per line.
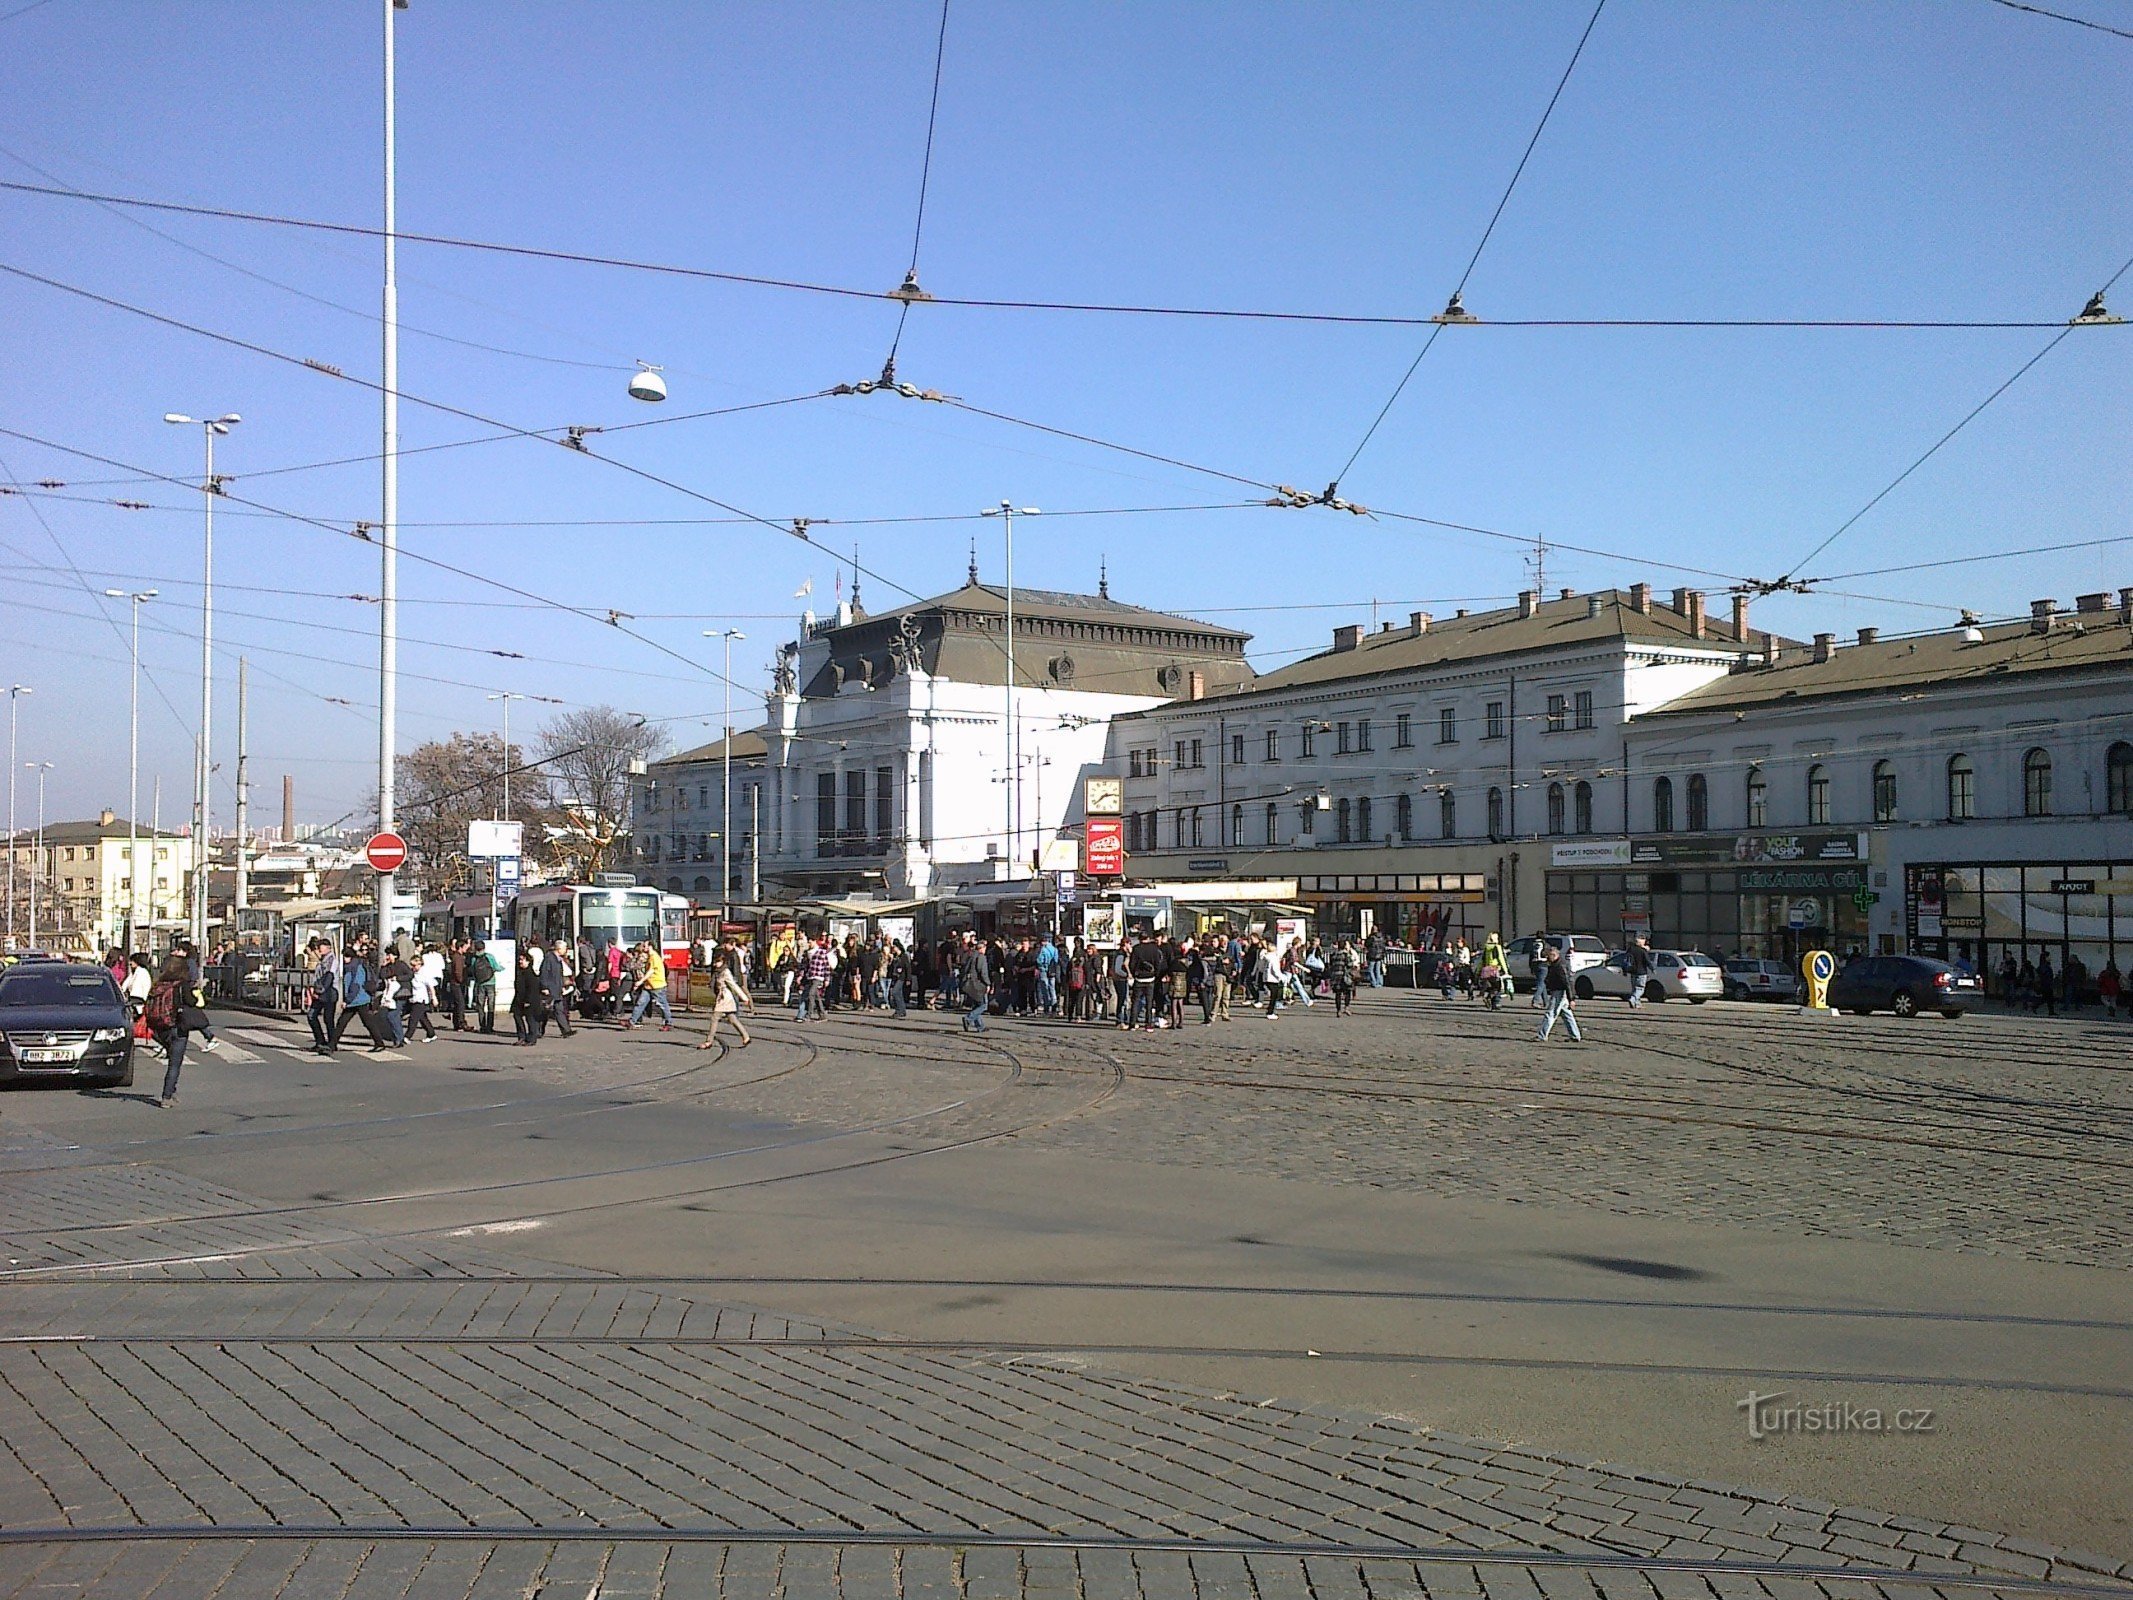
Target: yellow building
83,889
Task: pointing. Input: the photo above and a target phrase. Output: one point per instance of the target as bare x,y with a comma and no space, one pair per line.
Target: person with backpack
1553,985
171,1015
975,978
359,996
481,985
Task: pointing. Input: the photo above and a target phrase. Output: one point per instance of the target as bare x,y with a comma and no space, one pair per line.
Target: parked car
63,1022
1749,979
1906,985
1676,975
1580,950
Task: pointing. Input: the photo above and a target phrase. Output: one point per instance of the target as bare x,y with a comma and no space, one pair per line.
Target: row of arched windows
1959,799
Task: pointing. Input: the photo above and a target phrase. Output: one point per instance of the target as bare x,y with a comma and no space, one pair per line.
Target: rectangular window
1447,726
1493,719
825,813
1197,759
1236,749
1310,818
1340,739
1362,734
855,806
1403,732
1273,822
1558,713
1177,755
1310,740
1584,708
1133,763
1273,744
1196,827
884,804
1178,825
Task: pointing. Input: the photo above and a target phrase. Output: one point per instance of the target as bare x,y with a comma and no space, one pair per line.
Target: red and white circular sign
385,852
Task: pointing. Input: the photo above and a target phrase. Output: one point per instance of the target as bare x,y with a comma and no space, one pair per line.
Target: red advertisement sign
1104,852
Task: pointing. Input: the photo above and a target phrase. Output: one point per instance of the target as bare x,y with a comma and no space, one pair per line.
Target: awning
860,908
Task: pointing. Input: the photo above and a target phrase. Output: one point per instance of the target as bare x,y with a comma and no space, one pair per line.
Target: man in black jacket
1148,966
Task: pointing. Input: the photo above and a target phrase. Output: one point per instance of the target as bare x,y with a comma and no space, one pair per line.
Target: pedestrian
528,998
455,984
404,946
140,978
1537,959
481,985
555,980
323,995
814,969
422,996
359,996
2047,986
1340,976
1177,976
171,1015
1267,973
1374,957
975,979
1639,962
1553,985
2108,985
396,986
1221,974
896,972
728,996
651,990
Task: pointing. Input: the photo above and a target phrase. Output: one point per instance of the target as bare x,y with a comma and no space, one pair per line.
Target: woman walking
171,1015
727,999
528,998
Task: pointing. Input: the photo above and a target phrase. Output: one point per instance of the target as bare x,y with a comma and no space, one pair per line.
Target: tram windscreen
620,916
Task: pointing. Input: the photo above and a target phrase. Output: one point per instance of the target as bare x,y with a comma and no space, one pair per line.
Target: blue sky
1948,160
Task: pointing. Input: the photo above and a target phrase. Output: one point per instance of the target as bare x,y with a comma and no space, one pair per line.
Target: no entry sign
385,852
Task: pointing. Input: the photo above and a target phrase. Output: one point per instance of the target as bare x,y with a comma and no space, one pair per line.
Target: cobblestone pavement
2018,1142
293,1401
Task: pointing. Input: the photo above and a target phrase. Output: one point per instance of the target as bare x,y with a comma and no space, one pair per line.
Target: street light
725,827
133,765
15,692
1006,512
40,768
202,804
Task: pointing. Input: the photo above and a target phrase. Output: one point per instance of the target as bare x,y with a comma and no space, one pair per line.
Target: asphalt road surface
1398,1303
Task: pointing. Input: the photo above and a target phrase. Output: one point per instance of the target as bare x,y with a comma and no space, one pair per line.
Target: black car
63,1023
1906,985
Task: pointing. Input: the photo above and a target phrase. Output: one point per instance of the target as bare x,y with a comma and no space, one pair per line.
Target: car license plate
35,1057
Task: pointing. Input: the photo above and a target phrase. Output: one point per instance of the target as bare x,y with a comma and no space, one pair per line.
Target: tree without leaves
587,756
441,786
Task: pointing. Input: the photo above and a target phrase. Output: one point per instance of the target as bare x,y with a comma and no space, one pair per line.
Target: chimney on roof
2041,613
2125,605
1566,594
1695,613
1740,618
106,817
1460,612
1386,626
1869,635
1773,652
288,805
1640,599
1528,602
2092,602
1349,637
1593,605
1418,622
1196,686
1681,602
1825,646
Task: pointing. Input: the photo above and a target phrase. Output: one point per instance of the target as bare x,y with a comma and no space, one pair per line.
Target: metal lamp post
15,692
40,768
389,506
1007,511
506,696
203,766
725,827
133,766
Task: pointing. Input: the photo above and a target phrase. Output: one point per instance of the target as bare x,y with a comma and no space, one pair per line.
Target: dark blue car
1906,985
63,1022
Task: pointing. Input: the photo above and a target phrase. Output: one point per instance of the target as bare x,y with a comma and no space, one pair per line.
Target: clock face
1104,797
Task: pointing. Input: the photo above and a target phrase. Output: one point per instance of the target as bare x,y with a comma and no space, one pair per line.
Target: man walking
975,979
1554,986
813,979
1537,958
1374,955
325,996
1639,955
555,979
481,985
